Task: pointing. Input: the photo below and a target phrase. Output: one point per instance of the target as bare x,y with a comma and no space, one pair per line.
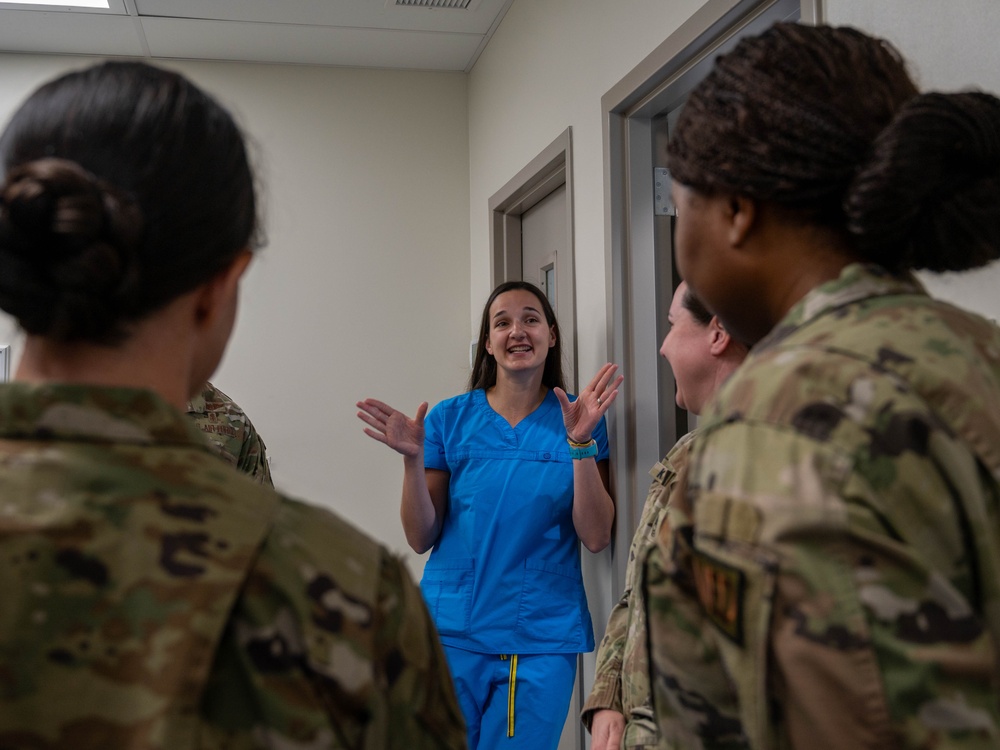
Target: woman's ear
719,338
213,314
742,217
218,292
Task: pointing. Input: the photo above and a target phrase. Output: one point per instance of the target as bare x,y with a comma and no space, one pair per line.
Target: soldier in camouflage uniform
154,597
230,430
830,578
619,710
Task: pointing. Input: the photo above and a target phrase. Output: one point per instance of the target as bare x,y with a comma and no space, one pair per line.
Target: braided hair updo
124,186
826,124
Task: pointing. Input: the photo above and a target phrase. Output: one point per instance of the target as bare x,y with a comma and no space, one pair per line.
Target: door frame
656,85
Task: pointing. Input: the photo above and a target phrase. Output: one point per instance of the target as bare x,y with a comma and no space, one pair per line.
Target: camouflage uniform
621,681
155,598
832,579
231,431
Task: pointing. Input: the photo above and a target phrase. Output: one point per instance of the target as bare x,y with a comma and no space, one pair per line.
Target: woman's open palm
392,427
582,415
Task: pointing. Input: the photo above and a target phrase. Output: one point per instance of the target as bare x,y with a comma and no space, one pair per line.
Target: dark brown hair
691,303
826,124
124,186
484,367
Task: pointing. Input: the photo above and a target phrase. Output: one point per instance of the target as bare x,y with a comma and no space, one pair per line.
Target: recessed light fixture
65,3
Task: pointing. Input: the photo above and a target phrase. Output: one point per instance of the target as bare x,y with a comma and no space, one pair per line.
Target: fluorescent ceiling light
71,3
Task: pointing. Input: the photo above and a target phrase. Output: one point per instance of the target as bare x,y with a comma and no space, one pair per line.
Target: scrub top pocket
447,587
551,612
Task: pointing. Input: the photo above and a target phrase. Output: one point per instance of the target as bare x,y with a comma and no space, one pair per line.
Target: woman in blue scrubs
501,482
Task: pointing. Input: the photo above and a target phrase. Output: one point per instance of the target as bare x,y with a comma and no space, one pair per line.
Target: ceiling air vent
456,4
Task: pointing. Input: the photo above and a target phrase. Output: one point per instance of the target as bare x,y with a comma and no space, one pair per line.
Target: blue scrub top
504,575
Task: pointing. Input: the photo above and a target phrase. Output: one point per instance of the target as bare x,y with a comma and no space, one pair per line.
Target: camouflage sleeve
622,675
838,583
694,703
607,689
230,430
621,659
253,457
421,707
331,644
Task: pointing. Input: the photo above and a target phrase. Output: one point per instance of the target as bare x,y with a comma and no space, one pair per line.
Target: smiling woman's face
687,347
520,337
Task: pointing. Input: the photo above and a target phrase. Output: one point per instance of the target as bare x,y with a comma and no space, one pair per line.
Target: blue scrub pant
513,702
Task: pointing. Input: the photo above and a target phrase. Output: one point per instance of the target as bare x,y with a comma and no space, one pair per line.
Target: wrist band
579,451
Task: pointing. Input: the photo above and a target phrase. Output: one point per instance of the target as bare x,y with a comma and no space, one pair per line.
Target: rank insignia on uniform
720,591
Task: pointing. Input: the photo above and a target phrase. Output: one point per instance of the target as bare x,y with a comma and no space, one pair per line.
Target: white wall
949,46
364,287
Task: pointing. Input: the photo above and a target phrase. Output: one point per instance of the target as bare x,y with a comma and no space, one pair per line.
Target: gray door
543,232
544,242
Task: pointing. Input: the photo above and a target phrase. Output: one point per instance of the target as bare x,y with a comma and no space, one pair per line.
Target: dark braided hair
825,124
123,187
932,181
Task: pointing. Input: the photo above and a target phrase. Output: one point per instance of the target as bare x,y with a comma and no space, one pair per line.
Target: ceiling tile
353,33
315,45
371,14
69,33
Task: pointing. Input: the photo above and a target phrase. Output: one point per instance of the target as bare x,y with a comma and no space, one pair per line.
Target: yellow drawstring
512,684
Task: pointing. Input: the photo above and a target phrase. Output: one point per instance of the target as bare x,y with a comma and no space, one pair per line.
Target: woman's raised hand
392,427
582,415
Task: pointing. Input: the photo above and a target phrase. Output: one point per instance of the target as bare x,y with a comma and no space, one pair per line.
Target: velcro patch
659,473
721,590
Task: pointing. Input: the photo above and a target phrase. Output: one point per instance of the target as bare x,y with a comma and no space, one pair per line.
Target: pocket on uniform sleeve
447,588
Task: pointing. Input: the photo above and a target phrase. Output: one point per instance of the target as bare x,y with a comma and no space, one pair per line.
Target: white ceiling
357,33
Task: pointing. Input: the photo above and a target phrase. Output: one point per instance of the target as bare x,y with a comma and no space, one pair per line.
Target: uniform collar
93,414
856,282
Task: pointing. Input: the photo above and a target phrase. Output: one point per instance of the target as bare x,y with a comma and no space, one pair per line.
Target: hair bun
70,238
929,195
59,198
